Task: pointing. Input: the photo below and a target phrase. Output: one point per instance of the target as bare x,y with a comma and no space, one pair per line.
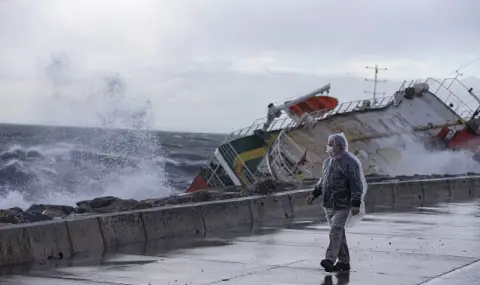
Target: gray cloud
336,28
200,62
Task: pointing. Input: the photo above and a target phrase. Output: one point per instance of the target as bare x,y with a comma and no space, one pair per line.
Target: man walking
342,187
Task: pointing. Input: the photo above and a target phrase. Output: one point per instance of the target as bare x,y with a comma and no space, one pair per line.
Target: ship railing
286,121
276,124
299,150
452,100
351,106
231,155
278,165
283,162
410,84
214,180
343,108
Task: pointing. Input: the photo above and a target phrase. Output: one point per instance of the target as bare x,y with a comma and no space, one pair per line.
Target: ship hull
382,136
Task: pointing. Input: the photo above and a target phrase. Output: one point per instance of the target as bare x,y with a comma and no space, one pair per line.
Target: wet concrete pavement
436,245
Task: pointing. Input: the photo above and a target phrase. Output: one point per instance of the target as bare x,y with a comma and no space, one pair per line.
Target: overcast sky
214,65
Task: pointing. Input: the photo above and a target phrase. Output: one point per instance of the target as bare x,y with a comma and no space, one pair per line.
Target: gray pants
337,247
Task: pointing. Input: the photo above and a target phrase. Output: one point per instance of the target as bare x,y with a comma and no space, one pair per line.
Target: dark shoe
327,264
327,280
341,266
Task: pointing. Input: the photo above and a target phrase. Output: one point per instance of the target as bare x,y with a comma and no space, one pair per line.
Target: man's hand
355,211
310,199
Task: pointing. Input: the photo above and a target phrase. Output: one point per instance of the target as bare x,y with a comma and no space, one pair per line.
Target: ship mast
375,81
457,75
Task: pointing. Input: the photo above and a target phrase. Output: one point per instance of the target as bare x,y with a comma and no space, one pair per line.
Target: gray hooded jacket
341,180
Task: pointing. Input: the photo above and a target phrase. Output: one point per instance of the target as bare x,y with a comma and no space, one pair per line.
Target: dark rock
10,217
36,208
84,209
99,202
53,213
16,210
126,203
232,189
35,217
103,202
270,186
84,203
202,196
230,195
176,200
154,202
59,210
142,205
117,206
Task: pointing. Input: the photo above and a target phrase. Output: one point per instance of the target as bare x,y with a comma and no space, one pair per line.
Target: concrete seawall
61,239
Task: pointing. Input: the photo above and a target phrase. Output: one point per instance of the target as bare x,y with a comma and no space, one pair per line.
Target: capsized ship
289,143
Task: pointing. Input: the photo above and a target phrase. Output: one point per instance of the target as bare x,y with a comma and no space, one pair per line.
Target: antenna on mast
457,75
375,81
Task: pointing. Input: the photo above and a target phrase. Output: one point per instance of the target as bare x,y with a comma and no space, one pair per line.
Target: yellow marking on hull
249,155
242,158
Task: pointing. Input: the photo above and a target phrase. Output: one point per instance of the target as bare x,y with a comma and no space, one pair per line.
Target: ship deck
435,245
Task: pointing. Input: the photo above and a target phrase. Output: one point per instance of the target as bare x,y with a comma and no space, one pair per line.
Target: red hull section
198,184
466,140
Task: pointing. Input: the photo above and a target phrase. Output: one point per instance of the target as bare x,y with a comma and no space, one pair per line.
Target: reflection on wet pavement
438,244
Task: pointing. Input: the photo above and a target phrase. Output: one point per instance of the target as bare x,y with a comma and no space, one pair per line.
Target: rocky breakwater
110,204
